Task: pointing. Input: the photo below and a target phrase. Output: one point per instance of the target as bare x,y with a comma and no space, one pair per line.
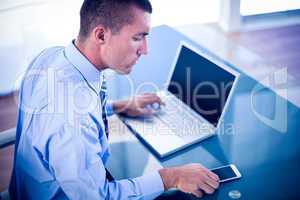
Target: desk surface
259,134
269,159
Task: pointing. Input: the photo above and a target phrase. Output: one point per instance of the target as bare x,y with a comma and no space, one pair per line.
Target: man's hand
137,105
191,178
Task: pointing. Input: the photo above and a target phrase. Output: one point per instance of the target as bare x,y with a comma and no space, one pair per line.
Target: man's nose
144,48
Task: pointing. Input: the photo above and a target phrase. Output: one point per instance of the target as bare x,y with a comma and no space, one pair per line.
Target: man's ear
100,34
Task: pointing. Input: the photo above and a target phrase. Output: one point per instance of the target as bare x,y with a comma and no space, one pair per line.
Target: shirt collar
89,72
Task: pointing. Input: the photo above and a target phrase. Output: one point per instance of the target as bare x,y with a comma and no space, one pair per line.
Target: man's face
123,49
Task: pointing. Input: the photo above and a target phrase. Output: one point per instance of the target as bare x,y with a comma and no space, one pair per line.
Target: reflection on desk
268,159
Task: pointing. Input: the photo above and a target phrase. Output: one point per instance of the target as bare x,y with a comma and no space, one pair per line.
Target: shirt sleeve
109,108
75,160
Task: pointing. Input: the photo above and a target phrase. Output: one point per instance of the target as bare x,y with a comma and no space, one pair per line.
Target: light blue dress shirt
61,147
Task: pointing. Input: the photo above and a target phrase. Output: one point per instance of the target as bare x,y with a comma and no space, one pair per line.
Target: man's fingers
145,111
206,188
212,182
213,176
148,93
152,100
198,193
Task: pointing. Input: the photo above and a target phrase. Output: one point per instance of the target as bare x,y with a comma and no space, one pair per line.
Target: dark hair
112,14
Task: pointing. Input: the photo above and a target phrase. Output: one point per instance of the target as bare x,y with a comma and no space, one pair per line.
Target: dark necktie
103,97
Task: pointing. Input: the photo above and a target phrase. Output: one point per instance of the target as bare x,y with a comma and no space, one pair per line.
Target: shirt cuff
109,108
151,185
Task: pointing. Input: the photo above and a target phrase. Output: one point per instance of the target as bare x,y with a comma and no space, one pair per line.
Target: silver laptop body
188,117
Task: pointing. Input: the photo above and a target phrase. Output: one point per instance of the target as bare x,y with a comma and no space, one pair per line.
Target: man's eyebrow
142,34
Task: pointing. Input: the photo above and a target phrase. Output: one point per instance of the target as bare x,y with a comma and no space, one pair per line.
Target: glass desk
268,159
260,135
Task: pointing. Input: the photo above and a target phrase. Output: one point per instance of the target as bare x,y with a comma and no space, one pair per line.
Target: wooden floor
6,164
8,111
8,115
278,45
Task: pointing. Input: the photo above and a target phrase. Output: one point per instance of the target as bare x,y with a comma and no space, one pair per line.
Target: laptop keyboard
179,119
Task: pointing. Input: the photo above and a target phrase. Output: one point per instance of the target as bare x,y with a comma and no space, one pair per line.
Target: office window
178,12
253,7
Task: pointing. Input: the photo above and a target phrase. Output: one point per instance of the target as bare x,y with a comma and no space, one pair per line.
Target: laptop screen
201,84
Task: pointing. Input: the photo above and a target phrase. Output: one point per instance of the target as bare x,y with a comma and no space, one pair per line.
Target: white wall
29,26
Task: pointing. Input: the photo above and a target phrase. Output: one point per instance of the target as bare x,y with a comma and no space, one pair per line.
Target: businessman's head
116,30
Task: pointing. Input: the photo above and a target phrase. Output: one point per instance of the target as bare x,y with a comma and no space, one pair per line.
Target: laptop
197,93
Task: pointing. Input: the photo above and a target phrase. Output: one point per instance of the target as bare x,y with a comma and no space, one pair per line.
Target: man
62,134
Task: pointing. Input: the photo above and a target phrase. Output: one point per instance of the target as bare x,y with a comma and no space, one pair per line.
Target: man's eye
137,38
